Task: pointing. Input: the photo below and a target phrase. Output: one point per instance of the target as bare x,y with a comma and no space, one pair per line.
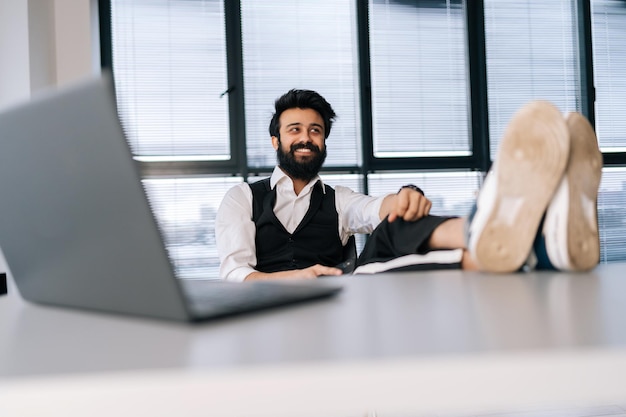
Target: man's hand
316,271
408,204
311,272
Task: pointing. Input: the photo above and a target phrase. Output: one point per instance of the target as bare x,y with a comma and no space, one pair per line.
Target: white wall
45,43
14,60
77,40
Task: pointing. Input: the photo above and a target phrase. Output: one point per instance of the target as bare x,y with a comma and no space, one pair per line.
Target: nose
305,137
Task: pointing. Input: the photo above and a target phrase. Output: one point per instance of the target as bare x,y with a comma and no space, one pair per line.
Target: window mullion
587,88
479,114
235,88
365,84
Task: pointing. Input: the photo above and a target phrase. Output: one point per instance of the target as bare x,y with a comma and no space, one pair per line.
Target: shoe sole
571,225
529,166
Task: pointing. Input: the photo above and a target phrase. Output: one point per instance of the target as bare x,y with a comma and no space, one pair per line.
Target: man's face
301,150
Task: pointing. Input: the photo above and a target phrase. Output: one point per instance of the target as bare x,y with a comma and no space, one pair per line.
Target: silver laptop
76,227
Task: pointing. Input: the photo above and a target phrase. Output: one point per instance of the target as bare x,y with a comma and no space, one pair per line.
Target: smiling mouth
305,151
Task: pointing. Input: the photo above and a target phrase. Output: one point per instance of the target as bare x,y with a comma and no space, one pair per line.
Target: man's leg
451,234
400,238
448,235
530,163
442,236
569,237
529,180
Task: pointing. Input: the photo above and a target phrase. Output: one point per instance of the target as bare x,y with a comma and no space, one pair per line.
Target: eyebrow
300,124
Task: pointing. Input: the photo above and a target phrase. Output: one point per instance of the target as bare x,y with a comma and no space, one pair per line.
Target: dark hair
302,99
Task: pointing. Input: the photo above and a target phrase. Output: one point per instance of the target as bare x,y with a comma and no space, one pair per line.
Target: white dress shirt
235,230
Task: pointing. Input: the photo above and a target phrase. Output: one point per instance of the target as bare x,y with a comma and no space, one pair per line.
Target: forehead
300,116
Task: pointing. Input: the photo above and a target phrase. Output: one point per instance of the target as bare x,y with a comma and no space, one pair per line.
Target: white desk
401,344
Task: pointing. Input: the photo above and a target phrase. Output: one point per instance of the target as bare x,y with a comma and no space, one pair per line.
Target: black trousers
400,238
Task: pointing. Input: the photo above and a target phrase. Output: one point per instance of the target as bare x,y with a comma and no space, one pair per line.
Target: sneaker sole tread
530,164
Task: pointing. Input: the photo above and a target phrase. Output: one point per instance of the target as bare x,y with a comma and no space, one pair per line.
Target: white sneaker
529,166
570,228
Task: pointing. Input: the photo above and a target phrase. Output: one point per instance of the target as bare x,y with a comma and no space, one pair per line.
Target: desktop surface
380,316
460,322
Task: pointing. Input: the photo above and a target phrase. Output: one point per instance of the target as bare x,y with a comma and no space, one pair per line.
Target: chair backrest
349,256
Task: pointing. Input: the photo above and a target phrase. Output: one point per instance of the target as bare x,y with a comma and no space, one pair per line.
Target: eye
316,130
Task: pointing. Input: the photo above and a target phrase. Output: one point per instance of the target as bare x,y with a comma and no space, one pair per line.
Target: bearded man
292,225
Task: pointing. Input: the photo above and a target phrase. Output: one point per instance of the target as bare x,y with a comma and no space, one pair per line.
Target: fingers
319,270
410,205
313,272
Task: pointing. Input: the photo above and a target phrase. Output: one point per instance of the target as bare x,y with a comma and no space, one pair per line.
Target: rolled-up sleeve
235,234
358,213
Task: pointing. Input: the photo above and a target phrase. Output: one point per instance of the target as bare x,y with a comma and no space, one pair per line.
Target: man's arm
311,272
235,233
408,204
360,213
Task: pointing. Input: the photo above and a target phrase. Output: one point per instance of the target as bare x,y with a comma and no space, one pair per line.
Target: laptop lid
76,228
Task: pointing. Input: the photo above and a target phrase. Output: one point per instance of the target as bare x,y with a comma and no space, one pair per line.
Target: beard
304,170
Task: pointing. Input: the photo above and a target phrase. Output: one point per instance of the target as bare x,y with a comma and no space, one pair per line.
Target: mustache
309,146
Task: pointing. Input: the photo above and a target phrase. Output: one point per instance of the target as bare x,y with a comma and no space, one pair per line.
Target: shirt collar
279,176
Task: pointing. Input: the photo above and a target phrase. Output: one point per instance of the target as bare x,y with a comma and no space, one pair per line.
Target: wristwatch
412,187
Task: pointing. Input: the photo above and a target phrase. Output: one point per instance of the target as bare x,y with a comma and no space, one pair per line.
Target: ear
275,142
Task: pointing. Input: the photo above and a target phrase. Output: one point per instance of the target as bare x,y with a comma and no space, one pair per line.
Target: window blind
300,44
611,218
609,59
185,209
452,193
531,49
419,78
169,62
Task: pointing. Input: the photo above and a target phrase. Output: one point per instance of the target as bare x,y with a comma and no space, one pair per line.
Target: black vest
316,240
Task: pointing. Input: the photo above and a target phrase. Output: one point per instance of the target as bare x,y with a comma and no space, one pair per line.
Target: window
306,45
169,63
420,103
609,57
397,72
419,78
